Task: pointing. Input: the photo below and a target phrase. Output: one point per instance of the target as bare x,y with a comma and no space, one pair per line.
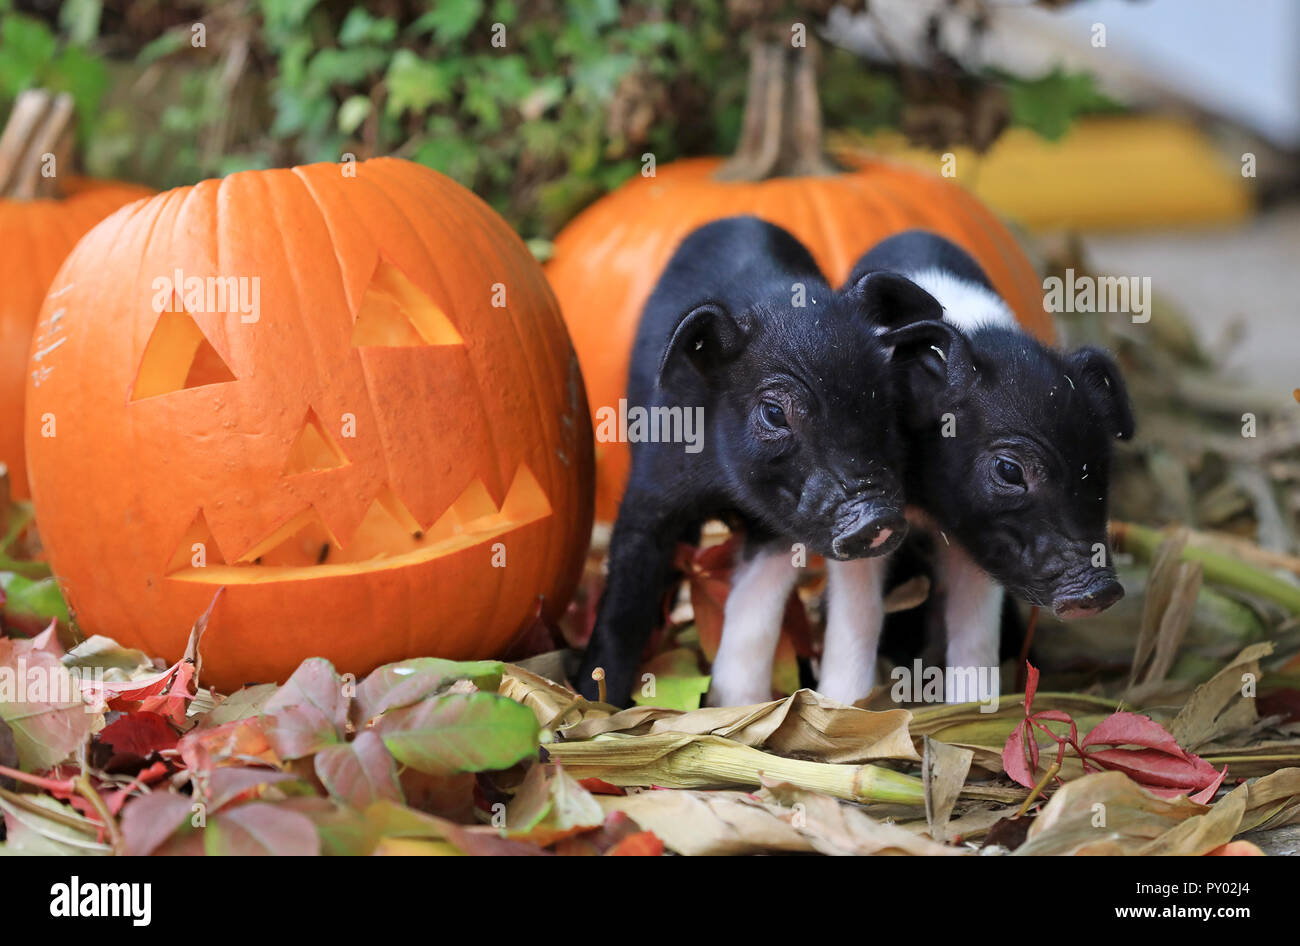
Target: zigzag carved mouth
388,537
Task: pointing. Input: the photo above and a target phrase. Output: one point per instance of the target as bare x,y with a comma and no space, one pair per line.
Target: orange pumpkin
342,392
41,219
606,261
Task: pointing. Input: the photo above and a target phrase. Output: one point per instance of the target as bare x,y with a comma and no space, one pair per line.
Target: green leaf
352,113
79,19
346,66
414,83
409,681
450,20
359,26
477,732
1049,104
38,599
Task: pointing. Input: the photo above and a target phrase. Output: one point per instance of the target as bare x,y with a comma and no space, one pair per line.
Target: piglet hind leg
854,617
751,627
972,612
640,551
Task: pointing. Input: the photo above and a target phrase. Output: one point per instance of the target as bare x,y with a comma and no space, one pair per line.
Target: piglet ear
705,337
1100,378
888,300
933,347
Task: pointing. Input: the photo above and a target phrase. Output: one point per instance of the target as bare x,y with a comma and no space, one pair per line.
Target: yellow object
1105,173
413,847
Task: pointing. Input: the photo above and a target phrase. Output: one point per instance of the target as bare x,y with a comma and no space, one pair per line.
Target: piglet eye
1009,471
773,414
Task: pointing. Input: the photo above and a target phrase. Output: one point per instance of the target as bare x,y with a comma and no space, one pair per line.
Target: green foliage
539,107
1049,104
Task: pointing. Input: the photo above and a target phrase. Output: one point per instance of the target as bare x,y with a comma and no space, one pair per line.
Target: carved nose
1099,596
870,534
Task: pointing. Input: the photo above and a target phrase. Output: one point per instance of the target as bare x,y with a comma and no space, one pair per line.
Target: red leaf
1284,703
600,787
1013,758
139,734
641,844
1031,687
1130,729
1153,768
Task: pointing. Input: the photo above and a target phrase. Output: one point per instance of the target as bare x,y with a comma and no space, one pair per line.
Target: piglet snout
872,532
1098,596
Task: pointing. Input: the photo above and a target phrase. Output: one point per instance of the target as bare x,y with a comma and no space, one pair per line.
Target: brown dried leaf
943,772
804,724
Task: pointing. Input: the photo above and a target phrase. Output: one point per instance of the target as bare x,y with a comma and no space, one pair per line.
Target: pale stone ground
1251,273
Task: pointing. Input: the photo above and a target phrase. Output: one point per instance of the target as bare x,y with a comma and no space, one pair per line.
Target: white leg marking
751,627
854,615
972,617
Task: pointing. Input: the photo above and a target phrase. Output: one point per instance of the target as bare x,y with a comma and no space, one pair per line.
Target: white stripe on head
966,305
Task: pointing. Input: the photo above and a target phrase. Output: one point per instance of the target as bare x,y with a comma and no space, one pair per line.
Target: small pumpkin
608,258
43,213
342,392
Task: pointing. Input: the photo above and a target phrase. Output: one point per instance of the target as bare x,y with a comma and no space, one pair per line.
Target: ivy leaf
476,732
41,702
410,681
148,821
352,113
414,83
26,600
450,20
309,712
261,828
359,26
359,773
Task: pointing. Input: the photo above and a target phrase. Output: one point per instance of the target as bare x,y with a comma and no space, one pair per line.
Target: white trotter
854,616
972,614
751,627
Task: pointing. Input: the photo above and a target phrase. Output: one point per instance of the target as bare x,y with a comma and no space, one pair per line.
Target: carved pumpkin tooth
297,542
197,547
314,449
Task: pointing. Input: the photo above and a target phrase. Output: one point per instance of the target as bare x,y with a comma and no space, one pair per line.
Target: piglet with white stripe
1008,460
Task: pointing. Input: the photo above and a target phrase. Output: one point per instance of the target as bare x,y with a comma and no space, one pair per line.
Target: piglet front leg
640,558
972,613
751,627
854,616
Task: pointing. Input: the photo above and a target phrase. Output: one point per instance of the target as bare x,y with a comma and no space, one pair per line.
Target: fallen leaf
260,828
459,732
360,772
410,681
550,806
805,724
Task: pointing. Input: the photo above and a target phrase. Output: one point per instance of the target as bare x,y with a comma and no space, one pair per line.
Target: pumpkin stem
36,145
781,132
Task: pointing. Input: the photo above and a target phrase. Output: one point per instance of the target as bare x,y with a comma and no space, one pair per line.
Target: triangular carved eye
314,449
177,357
395,313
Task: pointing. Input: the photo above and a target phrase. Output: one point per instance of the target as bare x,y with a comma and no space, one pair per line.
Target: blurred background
1121,123
1152,139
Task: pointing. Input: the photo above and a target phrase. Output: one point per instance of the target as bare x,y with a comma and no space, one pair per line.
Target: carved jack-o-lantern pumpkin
344,393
